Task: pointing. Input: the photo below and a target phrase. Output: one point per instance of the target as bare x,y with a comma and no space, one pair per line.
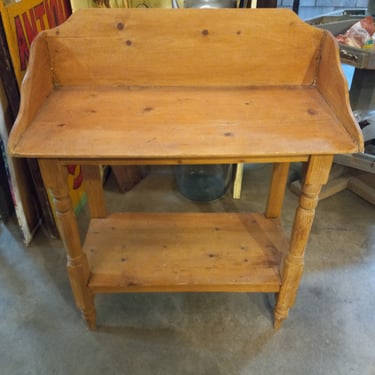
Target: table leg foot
90,318
281,313
277,324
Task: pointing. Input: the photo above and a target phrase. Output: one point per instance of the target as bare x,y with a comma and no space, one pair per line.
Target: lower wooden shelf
149,252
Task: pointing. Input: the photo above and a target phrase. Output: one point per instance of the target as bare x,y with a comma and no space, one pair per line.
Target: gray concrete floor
331,329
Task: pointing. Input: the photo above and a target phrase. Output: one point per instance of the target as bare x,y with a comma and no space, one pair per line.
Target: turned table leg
316,175
55,180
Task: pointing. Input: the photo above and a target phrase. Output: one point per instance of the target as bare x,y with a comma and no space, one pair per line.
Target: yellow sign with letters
22,21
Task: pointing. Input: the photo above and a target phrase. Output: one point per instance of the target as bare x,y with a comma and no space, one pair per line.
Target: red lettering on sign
23,48
54,13
30,25
40,11
47,14
66,7
77,176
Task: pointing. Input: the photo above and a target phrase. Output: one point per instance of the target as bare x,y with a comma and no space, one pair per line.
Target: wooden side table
98,92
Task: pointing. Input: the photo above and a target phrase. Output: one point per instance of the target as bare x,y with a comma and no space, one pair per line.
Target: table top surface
177,123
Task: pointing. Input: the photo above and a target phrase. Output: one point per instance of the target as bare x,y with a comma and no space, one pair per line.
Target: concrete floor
331,329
